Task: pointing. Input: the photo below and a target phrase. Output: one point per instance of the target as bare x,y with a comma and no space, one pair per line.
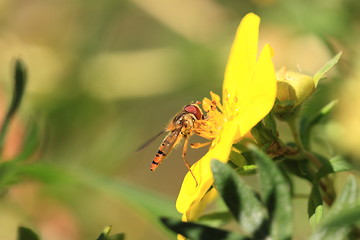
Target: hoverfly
181,127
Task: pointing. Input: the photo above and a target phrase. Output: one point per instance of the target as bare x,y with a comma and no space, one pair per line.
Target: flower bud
292,89
293,86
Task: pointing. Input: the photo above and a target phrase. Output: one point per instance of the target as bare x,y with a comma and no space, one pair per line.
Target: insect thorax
184,121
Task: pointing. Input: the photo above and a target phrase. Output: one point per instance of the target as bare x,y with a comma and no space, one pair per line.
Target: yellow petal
180,237
190,193
197,209
242,58
206,104
261,93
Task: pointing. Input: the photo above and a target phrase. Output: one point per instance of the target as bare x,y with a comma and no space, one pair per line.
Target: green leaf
335,164
275,194
8,174
307,124
31,142
200,232
344,218
247,170
315,205
337,227
263,135
147,202
298,168
347,198
216,218
118,236
237,159
26,234
105,233
289,180
239,198
324,112
270,123
19,88
331,63
343,213
317,216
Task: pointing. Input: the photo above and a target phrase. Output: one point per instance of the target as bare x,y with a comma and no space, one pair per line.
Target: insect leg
184,157
200,145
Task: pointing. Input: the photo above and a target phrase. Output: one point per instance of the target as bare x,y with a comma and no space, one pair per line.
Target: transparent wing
149,141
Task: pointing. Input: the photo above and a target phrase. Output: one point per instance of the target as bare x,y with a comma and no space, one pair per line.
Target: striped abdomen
166,146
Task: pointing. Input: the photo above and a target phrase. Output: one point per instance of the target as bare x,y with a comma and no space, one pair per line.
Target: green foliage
18,92
18,169
330,64
268,213
216,219
334,165
143,200
259,212
259,218
276,196
239,198
9,170
345,212
315,205
196,231
309,122
104,235
26,234
118,236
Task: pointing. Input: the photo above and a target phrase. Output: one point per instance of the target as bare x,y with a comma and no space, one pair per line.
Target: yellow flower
249,92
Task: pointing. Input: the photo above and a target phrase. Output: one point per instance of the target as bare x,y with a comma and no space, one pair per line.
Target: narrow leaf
324,112
335,164
331,63
8,174
200,232
298,168
346,217
270,123
239,197
147,202
118,236
18,92
348,197
216,218
26,234
247,170
31,142
103,235
338,226
275,194
237,159
317,216
307,124
315,205
344,212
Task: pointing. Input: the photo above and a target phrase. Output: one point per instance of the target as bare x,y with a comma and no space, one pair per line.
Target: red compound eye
194,109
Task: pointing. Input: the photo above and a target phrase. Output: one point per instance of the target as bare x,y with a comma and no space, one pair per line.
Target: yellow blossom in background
249,92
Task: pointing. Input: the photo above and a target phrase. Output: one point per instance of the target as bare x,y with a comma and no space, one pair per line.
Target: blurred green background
105,76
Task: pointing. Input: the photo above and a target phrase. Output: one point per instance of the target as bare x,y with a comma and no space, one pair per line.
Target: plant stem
292,125
305,153
326,183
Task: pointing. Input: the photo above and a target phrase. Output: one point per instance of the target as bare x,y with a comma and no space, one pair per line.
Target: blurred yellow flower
249,92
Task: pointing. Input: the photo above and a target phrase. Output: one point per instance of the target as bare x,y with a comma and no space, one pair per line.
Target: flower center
211,126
